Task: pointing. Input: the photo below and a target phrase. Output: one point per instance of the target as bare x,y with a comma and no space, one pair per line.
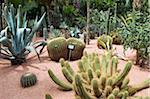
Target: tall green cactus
98,78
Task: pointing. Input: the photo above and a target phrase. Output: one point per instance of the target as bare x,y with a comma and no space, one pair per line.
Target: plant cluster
98,78
135,34
58,48
105,42
16,38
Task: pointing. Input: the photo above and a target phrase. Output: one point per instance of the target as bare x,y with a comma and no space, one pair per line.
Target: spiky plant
57,48
47,96
77,52
28,79
17,37
104,42
98,78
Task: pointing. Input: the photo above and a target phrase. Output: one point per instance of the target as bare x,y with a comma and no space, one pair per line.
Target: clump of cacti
57,48
116,38
104,42
77,52
98,78
28,79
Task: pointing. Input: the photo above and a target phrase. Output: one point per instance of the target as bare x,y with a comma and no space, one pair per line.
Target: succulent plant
116,37
57,48
78,50
28,79
104,42
98,78
16,38
47,96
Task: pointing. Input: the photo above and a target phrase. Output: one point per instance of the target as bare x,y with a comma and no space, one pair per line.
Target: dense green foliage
135,33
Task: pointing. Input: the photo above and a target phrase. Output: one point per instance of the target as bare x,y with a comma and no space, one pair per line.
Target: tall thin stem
88,20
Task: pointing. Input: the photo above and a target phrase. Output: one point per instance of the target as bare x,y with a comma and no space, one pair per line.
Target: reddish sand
10,87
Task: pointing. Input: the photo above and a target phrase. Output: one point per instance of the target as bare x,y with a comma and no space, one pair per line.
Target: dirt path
10,87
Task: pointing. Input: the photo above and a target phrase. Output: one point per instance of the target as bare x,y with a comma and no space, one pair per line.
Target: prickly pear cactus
104,42
57,48
99,78
79,47
28,79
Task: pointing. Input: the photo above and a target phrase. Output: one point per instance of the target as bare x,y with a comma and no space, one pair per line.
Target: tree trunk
137,57
88,20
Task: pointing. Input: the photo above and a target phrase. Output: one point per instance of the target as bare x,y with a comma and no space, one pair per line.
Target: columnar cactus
98,78
79,47
57,48
104,42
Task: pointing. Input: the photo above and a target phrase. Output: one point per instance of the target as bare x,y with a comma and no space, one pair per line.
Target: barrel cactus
47,96
104,42
57,48
78,50
28,79
98,78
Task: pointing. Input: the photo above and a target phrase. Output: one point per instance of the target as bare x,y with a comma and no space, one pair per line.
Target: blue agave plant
16,38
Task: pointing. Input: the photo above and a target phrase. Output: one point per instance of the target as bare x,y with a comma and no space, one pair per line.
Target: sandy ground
10,87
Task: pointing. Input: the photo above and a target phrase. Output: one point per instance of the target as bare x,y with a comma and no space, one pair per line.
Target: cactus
116,37
104,42
63,85
47,96
28,79
79,47
101,82
57,48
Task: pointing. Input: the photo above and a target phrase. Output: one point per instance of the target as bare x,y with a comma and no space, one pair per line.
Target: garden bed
10,87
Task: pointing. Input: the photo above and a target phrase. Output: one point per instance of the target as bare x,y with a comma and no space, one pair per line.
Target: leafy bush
135,34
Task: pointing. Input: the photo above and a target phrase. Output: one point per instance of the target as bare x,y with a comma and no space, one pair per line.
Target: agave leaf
3,40
5,51
35,27
39,44
4,32
5,56
32,49
12,20
25,20
19,17
6,16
